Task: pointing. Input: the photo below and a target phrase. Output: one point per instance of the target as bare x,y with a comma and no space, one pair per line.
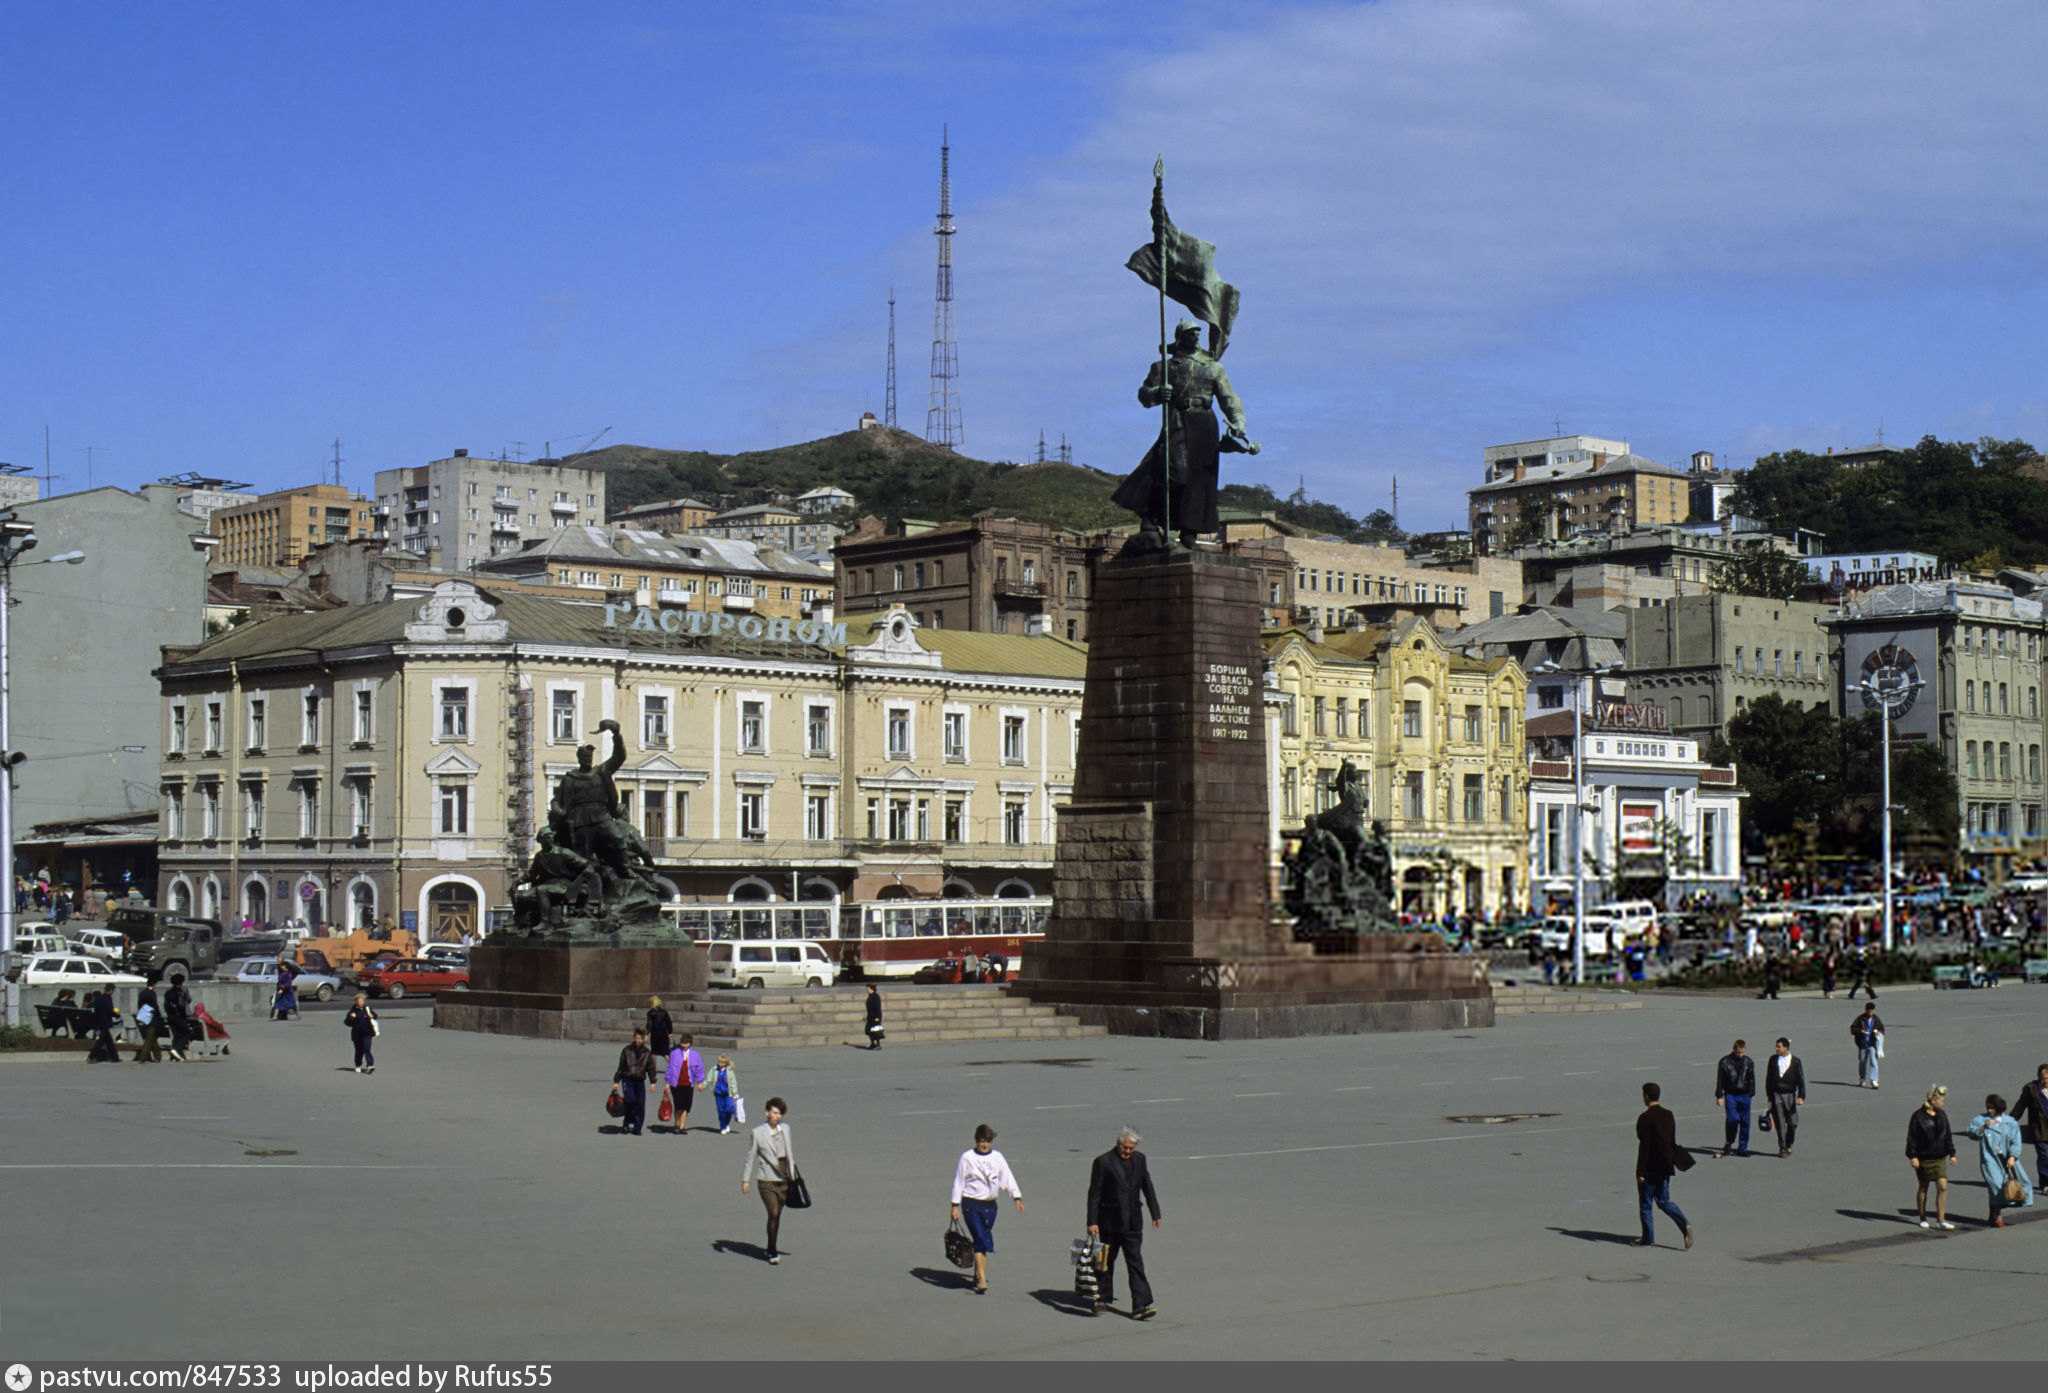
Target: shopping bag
667,1111
1880,1044
615,1102
739,1110
799,1195
959,1247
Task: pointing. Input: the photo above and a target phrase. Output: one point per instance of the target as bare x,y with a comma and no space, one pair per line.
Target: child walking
725,1092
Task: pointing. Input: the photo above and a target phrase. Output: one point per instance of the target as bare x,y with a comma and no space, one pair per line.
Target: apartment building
786,525
1331,580
668,515
1439,737
469,510
1550,490
391,762
1705,658
279,529
682,573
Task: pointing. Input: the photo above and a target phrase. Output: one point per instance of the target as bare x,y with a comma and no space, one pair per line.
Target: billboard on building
1639,829
1903,659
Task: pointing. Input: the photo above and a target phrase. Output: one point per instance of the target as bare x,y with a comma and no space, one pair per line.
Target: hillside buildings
280,529
470,510
784,525
668,515
1555,489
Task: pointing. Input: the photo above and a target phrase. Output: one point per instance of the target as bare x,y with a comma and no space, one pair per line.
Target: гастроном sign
696,622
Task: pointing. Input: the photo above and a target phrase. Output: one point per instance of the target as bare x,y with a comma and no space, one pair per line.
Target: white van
1557,933
1636,917
766,963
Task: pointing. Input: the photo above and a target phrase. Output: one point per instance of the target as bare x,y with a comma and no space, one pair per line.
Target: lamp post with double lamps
17,537
1890,687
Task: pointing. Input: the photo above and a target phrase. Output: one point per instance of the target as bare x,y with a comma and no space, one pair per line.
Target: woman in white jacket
771,1154
978,1180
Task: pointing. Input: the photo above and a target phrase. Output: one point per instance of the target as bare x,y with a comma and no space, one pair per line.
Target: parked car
318,985
75,970
1557,933
104,944
380,959
783,963
454,954
412,976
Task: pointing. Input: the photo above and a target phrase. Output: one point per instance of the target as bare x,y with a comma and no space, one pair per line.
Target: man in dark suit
1115,1185
1785,1090
1658,1157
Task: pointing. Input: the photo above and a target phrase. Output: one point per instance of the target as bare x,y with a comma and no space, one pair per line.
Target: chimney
1521,469
462,454
1598,460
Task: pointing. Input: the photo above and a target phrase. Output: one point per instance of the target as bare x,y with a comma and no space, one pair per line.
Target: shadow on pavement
1063,1300
1896,1216
1596,1236
745,1250
943,1278
1833,1083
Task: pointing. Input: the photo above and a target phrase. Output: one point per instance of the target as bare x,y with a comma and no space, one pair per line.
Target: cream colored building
392,761
1439,738
1334,580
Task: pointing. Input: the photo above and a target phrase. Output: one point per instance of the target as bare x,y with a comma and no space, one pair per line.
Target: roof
1578,469
758,510
1545,622
666,505
590,543
967,650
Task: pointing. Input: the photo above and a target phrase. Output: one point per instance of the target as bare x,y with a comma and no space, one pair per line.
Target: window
213,727
1738,661
955,737
2005,760
1507,801
1474,726
252,808
1710,842
1969,696
1551,698
1777,662
1412,795
1013,739
917,575
309,724
174,815
256,705
654,817
1411,719
1290,794
817,729
1798,664
956,819
361,818
455,808
365,716
209,807
898,725
817,816
1475,798
1343,716
2033,763
1013,821
753,726
1320,718
2001,700
177,745
455,713
2032,823
562,717
899,819
1553,849
753,814
874,819
899,578
924,819
1073,583
309,812
1970,760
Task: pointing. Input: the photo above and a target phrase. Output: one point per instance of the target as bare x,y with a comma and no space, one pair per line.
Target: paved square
464,1202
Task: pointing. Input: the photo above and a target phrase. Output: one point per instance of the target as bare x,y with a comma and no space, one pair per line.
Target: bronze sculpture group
1339,877
591,878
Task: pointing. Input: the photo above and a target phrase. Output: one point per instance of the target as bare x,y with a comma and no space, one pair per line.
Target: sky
237,232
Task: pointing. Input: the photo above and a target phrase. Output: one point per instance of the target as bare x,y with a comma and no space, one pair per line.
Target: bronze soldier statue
589,803
557,878
1179,485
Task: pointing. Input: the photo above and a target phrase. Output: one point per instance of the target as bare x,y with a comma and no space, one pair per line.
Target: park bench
55,1020
2035,970
1951,975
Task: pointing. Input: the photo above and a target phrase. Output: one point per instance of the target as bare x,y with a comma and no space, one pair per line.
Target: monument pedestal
1161,920
556,993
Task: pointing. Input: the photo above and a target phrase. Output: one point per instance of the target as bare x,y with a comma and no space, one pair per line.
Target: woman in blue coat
1998,1156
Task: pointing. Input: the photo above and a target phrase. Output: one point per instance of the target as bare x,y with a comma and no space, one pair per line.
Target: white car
75,970
317,985
1557,933
104,944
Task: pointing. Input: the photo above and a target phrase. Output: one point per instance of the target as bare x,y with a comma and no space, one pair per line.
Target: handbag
2015,1191
799,1196
615,1102
667,1111
959,1247
1764,1123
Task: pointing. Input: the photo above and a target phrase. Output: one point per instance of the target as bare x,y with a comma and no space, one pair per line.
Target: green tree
1788,759
1924,792
1761,569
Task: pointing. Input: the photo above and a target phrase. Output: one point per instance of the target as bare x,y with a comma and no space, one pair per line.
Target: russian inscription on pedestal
1228,689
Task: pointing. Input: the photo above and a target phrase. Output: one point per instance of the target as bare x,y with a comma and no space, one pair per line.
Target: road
1324,1198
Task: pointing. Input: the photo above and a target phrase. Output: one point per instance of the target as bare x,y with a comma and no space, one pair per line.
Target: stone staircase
912,1015
1539,1000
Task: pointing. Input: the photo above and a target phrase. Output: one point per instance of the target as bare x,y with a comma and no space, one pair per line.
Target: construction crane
548,446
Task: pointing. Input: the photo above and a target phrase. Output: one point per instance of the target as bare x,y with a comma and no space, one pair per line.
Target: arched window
181,897
362,898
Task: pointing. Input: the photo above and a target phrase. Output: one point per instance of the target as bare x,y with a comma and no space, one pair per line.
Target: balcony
743,603
505,527
1025,592
562,507
749,852
505,505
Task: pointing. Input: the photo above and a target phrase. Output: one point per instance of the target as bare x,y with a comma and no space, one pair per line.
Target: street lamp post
1887,687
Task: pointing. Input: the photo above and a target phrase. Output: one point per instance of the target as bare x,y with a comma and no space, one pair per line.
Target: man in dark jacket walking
104,1048
178,1016
1785,1089
1735,1090
2032,1110
1658,1158
1115,1185
636,1067
1868,1033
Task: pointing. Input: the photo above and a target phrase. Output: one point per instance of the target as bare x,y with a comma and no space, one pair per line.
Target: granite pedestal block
557,992
1162,922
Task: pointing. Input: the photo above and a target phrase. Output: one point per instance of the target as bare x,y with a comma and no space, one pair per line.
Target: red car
409,975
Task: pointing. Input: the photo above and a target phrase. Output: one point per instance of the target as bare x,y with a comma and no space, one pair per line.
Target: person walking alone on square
874,1009
1116,1183
725,1092
1931,1150
773,1155
978,1182
178,1016
1735,1091
1868,1033
637,1068
1784,1091
1998,1157
661,1028
104,1017
1827,973
362,1032
149,1018
2032,1109
685,1072
1861,981
1658,1158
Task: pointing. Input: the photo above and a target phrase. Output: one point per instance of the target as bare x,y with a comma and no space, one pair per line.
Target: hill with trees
1980,505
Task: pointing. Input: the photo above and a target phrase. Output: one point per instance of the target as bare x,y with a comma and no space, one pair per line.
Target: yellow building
280,528
1438,737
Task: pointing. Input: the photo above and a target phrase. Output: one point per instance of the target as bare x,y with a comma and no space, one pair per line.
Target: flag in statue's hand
1191,279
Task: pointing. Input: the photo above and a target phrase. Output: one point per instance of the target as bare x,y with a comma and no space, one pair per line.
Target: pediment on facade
457,613
452,761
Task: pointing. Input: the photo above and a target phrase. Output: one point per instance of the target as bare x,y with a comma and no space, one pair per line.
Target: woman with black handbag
772,1153
978,1181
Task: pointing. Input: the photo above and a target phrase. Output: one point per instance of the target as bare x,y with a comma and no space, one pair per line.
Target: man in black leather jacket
1734,1089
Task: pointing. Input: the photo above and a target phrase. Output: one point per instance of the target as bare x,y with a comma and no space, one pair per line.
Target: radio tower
889,400
942,420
